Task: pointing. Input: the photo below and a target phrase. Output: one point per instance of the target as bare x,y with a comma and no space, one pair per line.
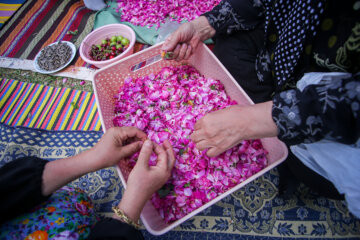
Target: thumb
145,153
213,152
171,41
130,149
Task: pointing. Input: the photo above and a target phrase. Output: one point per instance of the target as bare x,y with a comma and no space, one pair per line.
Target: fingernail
169,152
147,143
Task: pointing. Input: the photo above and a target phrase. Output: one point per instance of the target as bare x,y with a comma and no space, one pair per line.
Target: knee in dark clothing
238,52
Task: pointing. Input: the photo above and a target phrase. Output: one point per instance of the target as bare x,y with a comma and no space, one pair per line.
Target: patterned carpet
254,212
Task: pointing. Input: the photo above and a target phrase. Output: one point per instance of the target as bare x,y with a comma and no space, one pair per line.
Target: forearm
260,124
60,172
252,122
203,28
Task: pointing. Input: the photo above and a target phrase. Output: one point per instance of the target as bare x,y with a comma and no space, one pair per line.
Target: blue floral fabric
67,214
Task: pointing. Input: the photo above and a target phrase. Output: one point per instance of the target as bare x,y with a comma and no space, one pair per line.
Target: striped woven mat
38,23
44,107
7,9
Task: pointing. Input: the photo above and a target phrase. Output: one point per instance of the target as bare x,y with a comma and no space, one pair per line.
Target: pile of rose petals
167,106
155,12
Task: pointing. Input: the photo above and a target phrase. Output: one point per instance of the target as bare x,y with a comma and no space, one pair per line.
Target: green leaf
169,55
181,151
74,33
165,190
74,105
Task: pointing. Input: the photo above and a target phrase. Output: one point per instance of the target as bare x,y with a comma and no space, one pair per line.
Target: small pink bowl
104,32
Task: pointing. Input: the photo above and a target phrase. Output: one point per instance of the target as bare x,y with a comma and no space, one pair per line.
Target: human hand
221,130
116,144
186,38
144,180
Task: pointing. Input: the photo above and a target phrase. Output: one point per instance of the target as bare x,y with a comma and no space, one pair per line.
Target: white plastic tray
73,53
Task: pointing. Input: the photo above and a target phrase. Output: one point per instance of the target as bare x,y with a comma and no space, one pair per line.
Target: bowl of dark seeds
54,57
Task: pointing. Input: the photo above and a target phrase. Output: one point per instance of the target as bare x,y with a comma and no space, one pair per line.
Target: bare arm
218,131
107,152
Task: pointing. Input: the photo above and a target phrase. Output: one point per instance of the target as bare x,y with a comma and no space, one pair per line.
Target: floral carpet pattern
256,211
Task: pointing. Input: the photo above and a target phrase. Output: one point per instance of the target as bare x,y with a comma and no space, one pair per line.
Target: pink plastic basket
108,80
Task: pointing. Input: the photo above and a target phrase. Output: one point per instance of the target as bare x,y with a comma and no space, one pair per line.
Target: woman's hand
221,130
144,180
116,144
186,38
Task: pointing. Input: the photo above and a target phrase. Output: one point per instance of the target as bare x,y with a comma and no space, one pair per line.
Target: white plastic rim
73,53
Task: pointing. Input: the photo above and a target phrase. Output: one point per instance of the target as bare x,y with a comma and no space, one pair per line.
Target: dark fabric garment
288,25
112,229
336,46
20,185
330,110
232,16
237,52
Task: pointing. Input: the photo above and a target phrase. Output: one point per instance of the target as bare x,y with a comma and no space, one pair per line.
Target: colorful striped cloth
7,8
38,23
40,106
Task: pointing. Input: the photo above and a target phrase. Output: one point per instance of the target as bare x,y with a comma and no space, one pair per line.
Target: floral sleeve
234,15
329,110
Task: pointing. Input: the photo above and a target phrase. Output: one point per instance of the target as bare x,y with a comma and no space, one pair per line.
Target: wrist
265,125
203,28
132,204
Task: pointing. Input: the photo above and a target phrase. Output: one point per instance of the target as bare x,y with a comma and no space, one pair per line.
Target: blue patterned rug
254,212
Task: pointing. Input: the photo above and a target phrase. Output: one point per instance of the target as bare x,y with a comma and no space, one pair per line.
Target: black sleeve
20,186
112,229
330,110
235,15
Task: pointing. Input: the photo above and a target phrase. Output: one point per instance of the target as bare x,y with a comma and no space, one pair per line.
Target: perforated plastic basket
108,80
